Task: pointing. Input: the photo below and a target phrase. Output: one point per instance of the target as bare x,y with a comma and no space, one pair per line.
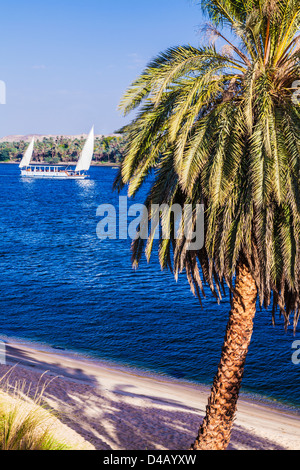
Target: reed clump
26,423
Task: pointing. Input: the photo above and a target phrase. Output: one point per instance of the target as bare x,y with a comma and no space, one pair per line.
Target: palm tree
219,127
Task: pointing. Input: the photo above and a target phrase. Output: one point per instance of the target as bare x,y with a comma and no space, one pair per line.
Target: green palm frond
219,127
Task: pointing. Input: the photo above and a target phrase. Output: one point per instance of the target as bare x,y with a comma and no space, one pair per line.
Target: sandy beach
109,408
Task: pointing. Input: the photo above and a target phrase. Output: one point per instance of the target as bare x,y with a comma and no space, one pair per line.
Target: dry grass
25,422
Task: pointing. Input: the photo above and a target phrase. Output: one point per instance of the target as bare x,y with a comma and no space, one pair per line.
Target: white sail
27,155
86,156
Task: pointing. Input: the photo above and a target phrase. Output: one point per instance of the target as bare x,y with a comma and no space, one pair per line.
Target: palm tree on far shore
220,126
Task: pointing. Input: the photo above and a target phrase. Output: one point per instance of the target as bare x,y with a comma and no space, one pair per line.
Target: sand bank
114,408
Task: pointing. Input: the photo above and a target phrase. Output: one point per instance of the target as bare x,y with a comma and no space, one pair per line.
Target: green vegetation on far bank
108,150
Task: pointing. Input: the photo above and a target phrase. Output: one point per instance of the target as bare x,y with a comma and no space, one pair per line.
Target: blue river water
63,287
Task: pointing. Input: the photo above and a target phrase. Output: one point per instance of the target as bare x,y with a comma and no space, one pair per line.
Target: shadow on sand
119,418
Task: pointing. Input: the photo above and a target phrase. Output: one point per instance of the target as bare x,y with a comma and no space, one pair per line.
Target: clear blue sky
66,63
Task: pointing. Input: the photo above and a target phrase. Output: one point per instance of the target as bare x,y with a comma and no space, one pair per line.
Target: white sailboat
58,172
25,162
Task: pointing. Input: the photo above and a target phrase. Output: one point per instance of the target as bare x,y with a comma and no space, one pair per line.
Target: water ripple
61,286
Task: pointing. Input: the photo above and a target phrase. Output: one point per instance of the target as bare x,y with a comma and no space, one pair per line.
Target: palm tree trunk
215,431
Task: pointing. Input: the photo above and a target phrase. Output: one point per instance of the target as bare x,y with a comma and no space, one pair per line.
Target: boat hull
55,177
53,174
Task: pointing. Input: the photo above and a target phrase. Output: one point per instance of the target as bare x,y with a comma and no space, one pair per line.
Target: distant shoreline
63,164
